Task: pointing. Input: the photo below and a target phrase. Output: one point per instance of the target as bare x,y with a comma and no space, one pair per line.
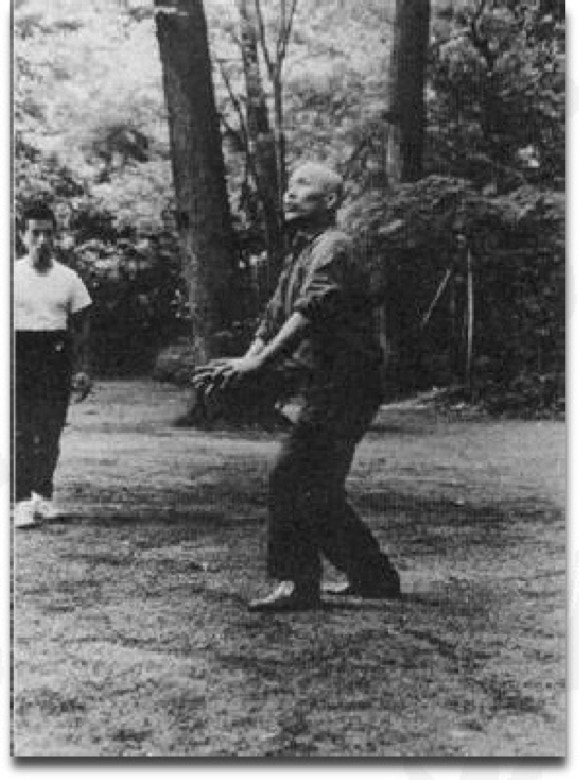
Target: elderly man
320,317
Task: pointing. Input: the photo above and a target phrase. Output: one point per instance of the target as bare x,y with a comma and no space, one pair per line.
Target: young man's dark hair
38,211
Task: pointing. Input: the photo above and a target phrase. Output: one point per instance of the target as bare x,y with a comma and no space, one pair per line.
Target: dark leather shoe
287,598
388,588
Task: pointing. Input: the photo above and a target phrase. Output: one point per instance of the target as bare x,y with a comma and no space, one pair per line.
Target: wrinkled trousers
309,513
41,398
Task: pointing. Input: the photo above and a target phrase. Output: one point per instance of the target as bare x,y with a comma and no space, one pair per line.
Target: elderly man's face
309,195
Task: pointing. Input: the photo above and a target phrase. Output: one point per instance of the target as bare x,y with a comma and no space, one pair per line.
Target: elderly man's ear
332,201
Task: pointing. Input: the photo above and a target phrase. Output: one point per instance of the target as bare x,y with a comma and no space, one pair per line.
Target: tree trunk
280,135
405,114
203,214
274,63
406,110
469,321
262,142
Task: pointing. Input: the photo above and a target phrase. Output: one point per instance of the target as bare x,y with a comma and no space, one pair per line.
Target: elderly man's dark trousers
309,514
41,398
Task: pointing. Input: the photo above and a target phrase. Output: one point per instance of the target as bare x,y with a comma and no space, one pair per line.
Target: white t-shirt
43,301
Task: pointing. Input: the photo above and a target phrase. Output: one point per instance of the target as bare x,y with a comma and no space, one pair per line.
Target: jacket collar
307,235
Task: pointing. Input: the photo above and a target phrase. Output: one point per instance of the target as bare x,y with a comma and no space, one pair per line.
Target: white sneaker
45,507
24,514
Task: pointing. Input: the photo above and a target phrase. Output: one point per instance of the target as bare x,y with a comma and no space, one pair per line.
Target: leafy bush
495,154
418,234
139,297
497,93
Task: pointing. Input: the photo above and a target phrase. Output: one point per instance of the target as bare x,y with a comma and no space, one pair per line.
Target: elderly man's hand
236,370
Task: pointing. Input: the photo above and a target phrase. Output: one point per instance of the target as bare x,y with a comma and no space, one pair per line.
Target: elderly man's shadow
353,604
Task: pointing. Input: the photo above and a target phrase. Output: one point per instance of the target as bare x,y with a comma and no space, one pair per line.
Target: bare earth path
131,636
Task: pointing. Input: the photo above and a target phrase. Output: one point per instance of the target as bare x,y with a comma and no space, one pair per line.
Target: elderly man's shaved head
327,179
314,193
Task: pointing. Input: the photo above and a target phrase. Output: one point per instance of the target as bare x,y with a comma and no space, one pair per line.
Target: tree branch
280,31
480,10
263,41
236,102
234,37
285,31
439,292
478,41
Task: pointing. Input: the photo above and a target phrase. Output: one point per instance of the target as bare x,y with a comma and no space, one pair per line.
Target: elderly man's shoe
288,597
45,508
387,587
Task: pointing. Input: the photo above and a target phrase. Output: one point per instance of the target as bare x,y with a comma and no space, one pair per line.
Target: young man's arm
79,327
80,334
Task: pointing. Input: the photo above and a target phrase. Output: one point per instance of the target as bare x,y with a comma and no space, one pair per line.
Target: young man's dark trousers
309,514
41,397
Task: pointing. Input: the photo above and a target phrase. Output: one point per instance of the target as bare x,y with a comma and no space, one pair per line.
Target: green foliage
497,98
88,92
84,70
91,139
91,134
129,263
416,234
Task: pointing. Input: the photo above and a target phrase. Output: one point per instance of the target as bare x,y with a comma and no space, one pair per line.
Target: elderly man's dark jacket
339,351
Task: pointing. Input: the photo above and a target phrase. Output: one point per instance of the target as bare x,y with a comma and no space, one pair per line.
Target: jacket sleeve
272,318
322,292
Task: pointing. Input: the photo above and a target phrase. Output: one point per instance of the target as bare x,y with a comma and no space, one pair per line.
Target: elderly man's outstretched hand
237,370
226,374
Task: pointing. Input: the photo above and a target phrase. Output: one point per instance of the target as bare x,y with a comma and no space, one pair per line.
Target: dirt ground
131,635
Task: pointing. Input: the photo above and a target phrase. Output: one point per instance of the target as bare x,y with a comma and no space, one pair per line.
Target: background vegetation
480,236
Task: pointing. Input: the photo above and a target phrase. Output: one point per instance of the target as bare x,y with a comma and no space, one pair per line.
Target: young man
320,316
51,337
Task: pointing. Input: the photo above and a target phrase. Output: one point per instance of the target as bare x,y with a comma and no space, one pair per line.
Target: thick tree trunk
406,110
262,142
405,114
203,213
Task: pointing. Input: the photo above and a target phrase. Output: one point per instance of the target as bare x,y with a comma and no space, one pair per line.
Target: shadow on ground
132,637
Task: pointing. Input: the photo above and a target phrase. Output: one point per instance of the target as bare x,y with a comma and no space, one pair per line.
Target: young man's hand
81,385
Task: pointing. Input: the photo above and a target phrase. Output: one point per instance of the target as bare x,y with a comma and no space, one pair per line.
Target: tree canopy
91,131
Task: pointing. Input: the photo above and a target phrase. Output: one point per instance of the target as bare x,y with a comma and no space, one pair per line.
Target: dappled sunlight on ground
131,631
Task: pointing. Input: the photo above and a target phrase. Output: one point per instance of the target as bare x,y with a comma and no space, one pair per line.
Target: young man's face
307,197
39,240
